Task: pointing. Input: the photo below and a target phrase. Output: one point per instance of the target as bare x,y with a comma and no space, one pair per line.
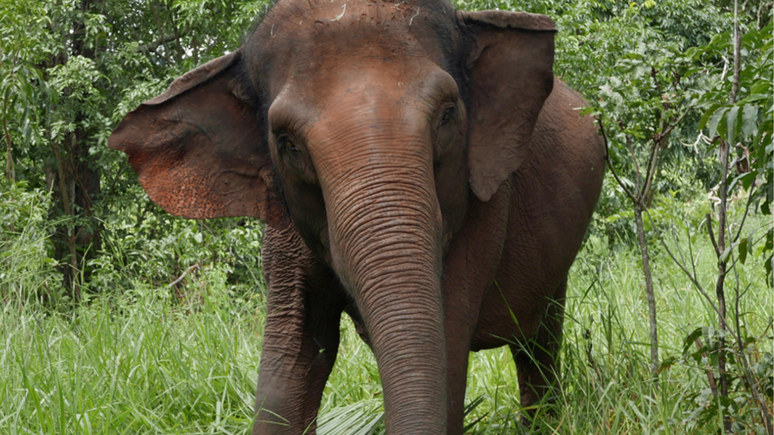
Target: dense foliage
78,234
70,71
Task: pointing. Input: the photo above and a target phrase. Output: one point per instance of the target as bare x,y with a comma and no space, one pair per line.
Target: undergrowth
139,355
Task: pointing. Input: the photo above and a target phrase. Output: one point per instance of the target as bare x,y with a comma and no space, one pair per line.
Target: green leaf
741,178
749,120
755,97
26,130
724,256
667,363
760,87
707,114
690,339
748,179
715,120
743,249
732,126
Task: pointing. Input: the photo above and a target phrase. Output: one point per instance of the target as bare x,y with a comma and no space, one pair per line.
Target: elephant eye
285,143
448,114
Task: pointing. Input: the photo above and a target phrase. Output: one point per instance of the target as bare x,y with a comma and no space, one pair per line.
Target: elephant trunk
385,230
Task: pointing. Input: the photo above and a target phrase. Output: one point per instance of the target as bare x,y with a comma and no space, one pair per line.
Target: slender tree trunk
641,200
70,272
77,181
721,250
722,268
86,187
86,175
654,361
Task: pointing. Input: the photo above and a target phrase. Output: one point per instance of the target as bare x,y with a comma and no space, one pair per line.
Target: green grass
611,393
116,366
138,360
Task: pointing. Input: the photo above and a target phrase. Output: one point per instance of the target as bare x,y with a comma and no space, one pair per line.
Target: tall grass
121,365
26,270
606,385
137,358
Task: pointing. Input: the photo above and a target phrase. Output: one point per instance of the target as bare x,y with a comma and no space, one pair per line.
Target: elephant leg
458,336
537,359
470,266
301,337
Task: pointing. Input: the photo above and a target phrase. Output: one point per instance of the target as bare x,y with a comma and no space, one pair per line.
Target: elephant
417,167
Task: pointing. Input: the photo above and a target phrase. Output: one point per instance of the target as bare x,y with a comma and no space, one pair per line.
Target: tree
739,121
643,108
71,69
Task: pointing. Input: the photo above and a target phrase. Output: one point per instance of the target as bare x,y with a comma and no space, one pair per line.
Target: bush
27,269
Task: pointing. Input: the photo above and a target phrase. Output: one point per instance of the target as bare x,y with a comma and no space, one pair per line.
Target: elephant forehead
326,13
303,37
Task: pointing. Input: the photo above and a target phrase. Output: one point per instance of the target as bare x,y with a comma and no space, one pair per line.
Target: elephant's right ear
198,148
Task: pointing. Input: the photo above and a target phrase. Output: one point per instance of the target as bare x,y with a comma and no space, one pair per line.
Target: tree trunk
70,256
721,251
722,267
654,362
77,186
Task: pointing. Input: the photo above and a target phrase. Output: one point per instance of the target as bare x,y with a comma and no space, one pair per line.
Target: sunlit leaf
731,125
749,120
706,116
714,121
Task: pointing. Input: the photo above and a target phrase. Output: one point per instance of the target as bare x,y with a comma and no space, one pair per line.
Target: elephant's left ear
510,75
199,149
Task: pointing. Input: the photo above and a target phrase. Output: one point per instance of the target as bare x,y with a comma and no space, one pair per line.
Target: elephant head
364,124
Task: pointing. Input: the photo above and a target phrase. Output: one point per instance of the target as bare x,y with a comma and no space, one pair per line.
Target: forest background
118,318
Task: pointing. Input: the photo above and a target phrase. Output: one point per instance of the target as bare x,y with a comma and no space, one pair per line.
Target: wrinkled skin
418,167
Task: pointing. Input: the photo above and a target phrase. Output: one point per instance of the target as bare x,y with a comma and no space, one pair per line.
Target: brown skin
413,171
